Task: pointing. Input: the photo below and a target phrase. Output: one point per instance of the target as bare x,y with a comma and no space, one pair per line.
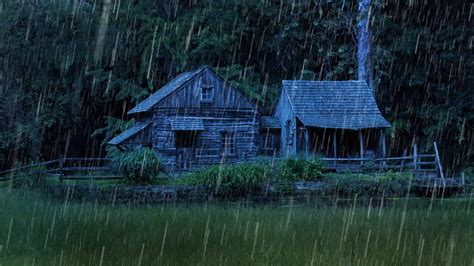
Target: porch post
384,148
306,140
334,144
361,142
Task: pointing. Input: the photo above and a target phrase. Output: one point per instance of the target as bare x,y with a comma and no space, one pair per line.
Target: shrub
301,169
238,178
138,165
368,167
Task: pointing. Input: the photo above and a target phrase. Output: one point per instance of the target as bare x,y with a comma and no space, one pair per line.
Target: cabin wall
225,97
285,113
208,141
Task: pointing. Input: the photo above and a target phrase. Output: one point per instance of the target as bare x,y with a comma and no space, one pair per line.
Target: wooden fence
67,169
423,166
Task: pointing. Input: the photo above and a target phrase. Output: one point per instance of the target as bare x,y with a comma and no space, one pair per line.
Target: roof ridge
165,90
324,81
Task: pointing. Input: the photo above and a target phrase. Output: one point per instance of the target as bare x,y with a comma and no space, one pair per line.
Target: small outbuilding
330,119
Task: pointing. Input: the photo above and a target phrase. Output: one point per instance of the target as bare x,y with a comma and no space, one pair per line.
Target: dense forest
71,69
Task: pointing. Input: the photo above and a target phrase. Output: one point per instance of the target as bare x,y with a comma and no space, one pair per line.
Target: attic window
207,93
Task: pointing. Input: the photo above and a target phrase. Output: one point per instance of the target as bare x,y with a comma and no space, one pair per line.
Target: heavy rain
236,132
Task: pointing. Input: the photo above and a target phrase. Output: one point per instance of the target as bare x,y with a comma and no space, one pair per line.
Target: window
228,143
207,93
268,141
185,139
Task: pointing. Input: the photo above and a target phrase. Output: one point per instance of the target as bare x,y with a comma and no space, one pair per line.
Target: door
185,149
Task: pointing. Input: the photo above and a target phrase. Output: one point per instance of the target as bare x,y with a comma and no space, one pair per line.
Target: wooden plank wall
189,96
230,110
208,141
284,112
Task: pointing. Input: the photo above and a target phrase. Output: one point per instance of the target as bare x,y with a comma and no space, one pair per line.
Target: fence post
438,161
402,163
61,162
415,159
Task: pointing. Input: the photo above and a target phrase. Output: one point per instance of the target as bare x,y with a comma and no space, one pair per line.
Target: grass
34,230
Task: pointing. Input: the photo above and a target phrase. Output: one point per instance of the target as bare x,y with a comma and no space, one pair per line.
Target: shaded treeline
70,67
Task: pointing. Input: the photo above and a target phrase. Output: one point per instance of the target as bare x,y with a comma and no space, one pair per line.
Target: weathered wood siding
189,96
230,111
142,138
285,113
208,142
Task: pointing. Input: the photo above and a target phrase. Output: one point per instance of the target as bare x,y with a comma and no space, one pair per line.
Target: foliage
138,165
55,92
244,178
234,179
300,169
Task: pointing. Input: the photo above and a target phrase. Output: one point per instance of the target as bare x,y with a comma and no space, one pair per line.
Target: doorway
185,149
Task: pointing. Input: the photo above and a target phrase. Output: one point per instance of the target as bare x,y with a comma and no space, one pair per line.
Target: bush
237,179
244,178
138,165
301,169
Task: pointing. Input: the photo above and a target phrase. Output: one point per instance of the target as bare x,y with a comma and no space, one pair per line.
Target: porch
345,144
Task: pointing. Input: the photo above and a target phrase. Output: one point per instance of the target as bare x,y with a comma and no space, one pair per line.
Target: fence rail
424,166
67,169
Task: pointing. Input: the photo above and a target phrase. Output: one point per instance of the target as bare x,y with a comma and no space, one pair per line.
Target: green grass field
36,231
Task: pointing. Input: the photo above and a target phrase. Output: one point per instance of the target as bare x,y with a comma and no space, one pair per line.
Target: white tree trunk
364,71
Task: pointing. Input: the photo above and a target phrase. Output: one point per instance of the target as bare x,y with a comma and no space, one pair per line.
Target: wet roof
334,104
139,126
186,123
164,91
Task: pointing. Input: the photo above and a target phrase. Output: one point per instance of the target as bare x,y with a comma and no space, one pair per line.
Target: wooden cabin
196,119
330,119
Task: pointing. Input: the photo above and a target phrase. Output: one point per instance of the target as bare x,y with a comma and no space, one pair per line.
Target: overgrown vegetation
250,177
138,165
233,179
280,177
406,232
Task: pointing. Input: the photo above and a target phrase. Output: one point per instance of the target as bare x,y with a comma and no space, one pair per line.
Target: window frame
209,92
268,140
232,149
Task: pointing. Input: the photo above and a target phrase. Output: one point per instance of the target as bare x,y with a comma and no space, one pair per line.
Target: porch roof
334,104
181,123
271,122
139,126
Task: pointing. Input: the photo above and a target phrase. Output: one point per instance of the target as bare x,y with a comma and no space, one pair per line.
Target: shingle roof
334,104
139,126
186,123
270,122
164,91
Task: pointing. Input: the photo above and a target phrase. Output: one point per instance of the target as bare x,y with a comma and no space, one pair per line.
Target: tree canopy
73,67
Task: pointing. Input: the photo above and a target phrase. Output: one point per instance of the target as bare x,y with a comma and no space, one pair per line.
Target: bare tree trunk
364,46
102,31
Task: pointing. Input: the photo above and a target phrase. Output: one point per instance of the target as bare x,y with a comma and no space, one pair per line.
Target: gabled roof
186,123
164,91
334,104
139,126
